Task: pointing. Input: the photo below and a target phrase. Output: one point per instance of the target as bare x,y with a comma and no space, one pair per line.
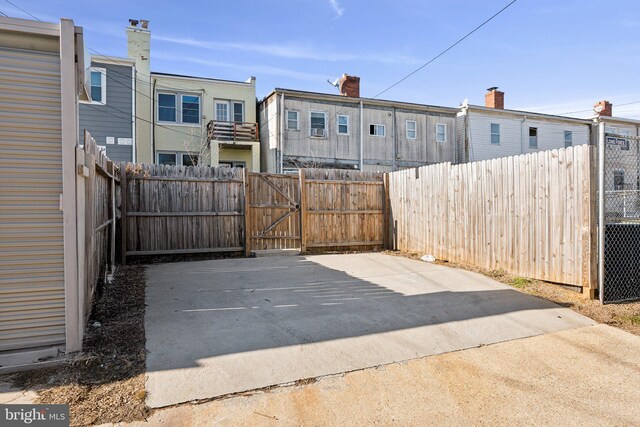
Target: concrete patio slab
227,326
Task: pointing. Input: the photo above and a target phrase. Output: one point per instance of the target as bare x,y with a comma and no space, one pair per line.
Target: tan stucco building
186,120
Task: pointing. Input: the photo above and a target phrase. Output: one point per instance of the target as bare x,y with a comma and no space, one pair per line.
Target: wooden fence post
247,213
303,211
113,217
123,213
386,217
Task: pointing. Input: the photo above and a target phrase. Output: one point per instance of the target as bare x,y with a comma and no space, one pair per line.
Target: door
273,211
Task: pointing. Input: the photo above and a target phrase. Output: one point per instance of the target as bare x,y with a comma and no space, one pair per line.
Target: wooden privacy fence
342,208
96,220
181,210
532,215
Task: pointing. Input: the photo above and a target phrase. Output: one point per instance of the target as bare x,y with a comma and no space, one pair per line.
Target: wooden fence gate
273,211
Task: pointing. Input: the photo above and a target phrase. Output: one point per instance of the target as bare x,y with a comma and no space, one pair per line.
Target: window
229,164
441,132
222,111
568,138
376,130
99,85
190,159
238,112
343,124
166,107
412,129
318,123
180,159
292,120
495,133
618,180
190,109
533,137
167,159
187,111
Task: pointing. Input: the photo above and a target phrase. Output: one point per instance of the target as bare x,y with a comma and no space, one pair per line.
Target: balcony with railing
232,131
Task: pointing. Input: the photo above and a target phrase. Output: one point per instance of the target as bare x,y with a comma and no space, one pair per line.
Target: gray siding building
109,116
308,129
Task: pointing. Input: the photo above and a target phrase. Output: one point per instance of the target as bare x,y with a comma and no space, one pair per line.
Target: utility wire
3,14
586,111
447,49
21,9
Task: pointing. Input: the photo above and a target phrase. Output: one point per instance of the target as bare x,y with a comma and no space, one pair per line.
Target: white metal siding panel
514,135
31,235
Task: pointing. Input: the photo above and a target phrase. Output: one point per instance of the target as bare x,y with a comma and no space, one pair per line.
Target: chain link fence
620,184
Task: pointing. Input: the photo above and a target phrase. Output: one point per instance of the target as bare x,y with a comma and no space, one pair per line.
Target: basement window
533,137
376,130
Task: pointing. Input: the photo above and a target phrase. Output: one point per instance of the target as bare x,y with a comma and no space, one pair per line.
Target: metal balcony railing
232,131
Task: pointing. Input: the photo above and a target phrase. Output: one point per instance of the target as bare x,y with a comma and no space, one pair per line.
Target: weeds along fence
532,215
96,192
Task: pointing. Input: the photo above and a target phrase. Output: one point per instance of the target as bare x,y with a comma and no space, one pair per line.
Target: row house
151,117
346,131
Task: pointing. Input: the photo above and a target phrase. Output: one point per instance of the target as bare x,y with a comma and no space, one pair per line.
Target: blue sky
547,55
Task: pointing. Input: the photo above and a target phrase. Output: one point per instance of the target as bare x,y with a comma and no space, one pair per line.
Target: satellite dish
335,82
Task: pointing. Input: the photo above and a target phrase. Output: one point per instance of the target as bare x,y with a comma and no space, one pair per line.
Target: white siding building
490,132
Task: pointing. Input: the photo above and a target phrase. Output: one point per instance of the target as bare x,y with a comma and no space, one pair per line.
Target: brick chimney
494,98
349,86
603,108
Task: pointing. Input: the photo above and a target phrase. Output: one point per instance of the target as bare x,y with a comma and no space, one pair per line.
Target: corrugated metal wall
32,310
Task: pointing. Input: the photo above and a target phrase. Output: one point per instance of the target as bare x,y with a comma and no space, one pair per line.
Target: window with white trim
533,137
318,123
568,138
178,108
495,133
412,129
177,158
343,124
292,120
376,130
441,132
98,85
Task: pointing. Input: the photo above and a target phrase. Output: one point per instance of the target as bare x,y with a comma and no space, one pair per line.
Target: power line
447,49
21,9
586,111
3,14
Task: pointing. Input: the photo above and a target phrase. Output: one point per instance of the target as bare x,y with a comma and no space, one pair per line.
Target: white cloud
290,51
337,8
252,69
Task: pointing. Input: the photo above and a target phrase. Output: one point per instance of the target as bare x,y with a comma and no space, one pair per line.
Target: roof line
182,76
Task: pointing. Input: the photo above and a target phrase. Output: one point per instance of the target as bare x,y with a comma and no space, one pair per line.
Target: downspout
361,136
134,146
153,122
281,132
522,146
395,142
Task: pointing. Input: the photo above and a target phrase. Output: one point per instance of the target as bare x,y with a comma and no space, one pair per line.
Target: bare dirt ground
106,382
624,316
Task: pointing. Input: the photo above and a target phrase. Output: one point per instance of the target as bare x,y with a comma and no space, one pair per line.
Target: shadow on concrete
207,309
